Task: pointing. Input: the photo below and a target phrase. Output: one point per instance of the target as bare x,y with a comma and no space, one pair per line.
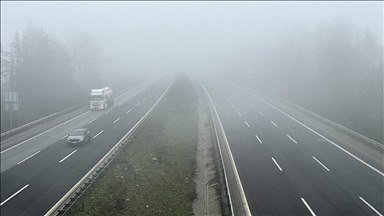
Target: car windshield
77,133
96,98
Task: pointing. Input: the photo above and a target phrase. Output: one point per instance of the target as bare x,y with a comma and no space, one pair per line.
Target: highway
290,164
38,168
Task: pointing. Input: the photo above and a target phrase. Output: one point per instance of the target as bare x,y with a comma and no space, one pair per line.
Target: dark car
78,137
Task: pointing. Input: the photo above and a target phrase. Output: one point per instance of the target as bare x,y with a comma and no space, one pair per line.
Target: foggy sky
182,35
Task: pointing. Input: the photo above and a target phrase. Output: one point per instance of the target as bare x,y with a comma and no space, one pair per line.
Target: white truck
101,98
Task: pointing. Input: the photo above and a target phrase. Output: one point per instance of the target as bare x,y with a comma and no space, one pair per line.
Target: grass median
154,174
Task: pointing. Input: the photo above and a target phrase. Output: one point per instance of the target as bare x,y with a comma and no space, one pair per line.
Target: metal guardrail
64,204
239,205
327,121
42,120
46,118
227,188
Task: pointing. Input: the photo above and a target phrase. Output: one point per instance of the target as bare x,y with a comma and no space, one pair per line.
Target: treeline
335,70
48,75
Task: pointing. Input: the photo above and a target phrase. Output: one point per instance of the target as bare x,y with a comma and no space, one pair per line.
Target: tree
88,62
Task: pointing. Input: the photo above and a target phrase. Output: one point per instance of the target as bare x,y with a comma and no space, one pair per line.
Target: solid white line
334,144
67,156
138,104
108,111
44,132
14,195
239,113
247,124
144,99
291,139
273,123
277,164
252,106
321,164
97,134
261,113
116,120
92,121
237,177
308,207
129,110
64,136
28,157
258,139
233,106
377,212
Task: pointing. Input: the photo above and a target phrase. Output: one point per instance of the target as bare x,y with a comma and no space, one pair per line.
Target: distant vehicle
78,137
101,98
160,77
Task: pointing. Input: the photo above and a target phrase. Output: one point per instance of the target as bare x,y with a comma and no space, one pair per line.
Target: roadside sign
11,101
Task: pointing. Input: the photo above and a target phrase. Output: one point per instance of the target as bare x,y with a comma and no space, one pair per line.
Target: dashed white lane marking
252,106
277,164
291,139
308,207
233,106
153,91
149,94
247,124
245,100
116,120
44,132
321,164
28,157
129,110
108,111
92,121
239,113
120,104
258,139
68,156
64,136
369,205
14,195
261,113
97,134
144,99
223,95
315,132
228,101
138,104
274,123
239,95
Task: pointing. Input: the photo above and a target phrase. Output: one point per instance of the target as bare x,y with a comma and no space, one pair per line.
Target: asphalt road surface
38,168
289,164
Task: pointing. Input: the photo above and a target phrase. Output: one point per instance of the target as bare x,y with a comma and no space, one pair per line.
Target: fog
325,56
190,36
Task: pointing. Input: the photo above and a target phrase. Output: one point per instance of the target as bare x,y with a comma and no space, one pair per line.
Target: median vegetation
154,174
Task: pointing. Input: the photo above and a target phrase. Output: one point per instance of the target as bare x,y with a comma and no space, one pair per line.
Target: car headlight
81,139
